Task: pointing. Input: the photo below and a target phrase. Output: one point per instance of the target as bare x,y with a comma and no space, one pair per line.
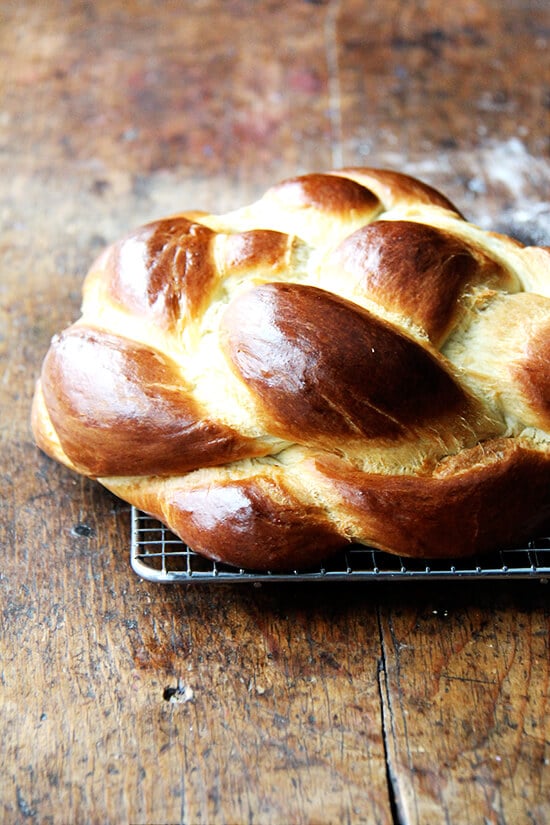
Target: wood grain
468,732
123,701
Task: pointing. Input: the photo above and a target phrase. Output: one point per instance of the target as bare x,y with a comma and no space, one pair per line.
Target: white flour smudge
499,186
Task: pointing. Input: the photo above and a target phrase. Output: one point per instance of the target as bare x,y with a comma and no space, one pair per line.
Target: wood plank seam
334,86
397,808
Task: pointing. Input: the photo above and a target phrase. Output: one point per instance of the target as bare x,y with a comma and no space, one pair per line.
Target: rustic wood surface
410,703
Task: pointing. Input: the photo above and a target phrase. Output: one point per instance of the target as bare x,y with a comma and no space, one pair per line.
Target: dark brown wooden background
320,704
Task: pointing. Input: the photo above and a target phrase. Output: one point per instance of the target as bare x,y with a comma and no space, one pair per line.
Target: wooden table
326,703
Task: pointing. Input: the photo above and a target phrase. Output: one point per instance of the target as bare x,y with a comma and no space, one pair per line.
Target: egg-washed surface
347,359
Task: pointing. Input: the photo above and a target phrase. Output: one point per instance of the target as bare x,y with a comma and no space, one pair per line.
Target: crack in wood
386,718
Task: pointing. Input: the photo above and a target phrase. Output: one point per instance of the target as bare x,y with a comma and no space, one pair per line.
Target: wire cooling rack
159,556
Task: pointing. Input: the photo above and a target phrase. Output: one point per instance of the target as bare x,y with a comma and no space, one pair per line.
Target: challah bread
346,360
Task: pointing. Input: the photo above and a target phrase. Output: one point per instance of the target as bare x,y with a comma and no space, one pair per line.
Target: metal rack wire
159,556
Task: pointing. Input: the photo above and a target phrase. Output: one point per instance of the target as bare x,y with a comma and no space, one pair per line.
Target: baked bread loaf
346,360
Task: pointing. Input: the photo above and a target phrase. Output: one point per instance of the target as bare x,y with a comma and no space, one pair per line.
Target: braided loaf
348,359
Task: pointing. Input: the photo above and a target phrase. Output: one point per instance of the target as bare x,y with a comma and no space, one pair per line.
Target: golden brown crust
478,503
418,271
246,523
254,521
164,270
258,248
532,371
348,359
322,383
119,408
327,193
396,189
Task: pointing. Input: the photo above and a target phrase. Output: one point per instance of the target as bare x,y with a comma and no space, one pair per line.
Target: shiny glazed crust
346,360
